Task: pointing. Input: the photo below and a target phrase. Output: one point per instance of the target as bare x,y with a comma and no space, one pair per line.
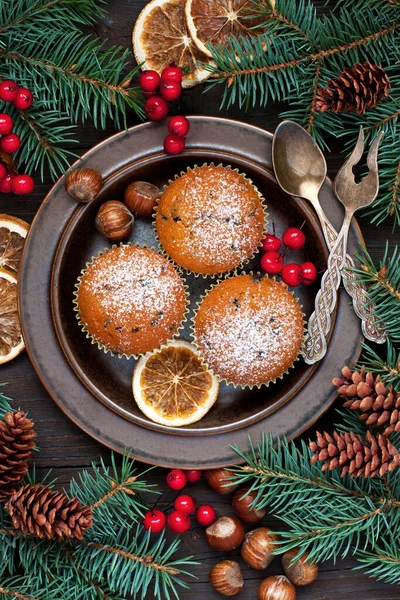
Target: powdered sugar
250,344
142,284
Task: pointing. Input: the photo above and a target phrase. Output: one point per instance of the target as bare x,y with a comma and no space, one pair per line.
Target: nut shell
242,501
277,587
227,533
218,480
226,578
114,220
300,572
84,184
141,198
258,547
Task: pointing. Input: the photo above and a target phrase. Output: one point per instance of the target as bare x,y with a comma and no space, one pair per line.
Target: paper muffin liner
105,348
223,379
244,262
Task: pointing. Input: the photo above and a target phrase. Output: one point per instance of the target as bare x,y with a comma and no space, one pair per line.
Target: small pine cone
16,444
356,89
379,405
36,510
375,456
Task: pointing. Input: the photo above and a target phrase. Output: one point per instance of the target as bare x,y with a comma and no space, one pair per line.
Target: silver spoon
300,170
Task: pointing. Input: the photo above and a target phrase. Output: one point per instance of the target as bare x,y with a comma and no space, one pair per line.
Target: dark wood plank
66,449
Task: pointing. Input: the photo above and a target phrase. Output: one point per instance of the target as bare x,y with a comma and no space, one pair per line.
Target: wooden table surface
66,449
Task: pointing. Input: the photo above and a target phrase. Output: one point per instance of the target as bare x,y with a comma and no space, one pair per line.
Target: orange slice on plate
11,342
13,232
214,21
161,38
173,387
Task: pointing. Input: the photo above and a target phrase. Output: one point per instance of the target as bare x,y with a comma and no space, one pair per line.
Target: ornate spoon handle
319,324
372,329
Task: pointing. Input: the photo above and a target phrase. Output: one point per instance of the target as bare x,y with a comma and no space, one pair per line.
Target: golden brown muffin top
249,329
131,299
210,219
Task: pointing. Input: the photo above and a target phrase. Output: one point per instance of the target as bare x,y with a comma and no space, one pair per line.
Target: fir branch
5,405
383,562
389,368
383,288
326,515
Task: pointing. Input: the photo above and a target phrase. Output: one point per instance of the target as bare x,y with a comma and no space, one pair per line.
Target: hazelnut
258,547
218,479
114,220
227,533
277,587
226,578
300,571
141,198
242,504
84,184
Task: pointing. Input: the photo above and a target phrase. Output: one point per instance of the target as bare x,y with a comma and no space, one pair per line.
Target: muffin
210,219
130,300
249,329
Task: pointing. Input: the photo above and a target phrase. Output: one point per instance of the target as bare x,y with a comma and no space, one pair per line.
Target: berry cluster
10,142
159,90
178,520
273,263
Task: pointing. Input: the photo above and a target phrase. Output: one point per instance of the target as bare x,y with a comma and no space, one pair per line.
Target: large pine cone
379,405
36,510
375,456
16,444
356,89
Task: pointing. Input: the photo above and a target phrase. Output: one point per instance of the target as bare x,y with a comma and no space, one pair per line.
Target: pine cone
375,456
356,89
16,444
379,405
36,510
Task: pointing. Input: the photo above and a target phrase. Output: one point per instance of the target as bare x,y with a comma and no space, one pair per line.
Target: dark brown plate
94,389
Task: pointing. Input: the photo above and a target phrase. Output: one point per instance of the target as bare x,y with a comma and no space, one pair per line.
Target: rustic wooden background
66,449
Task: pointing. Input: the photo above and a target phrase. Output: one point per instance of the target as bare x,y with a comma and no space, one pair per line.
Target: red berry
5,184
178,126
272,262
309,274
292,274
271,242
176,479
8,90
205,515
6,124
3,171
185,504
22,184
24,99
170,90
173,144
178,522
155,520
156,108
149,81
294,238
193,476
10,143
172,73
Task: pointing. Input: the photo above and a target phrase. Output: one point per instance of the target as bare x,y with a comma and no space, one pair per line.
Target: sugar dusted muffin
130,300
249,329
210,219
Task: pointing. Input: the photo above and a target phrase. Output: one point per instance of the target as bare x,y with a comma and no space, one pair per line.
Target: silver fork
353,196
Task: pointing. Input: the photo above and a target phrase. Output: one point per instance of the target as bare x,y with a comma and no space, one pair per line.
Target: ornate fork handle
319,324
372,329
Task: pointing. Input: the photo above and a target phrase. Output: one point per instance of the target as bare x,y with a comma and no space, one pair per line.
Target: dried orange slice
13,232
172,386
161,38
213,21
11,342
